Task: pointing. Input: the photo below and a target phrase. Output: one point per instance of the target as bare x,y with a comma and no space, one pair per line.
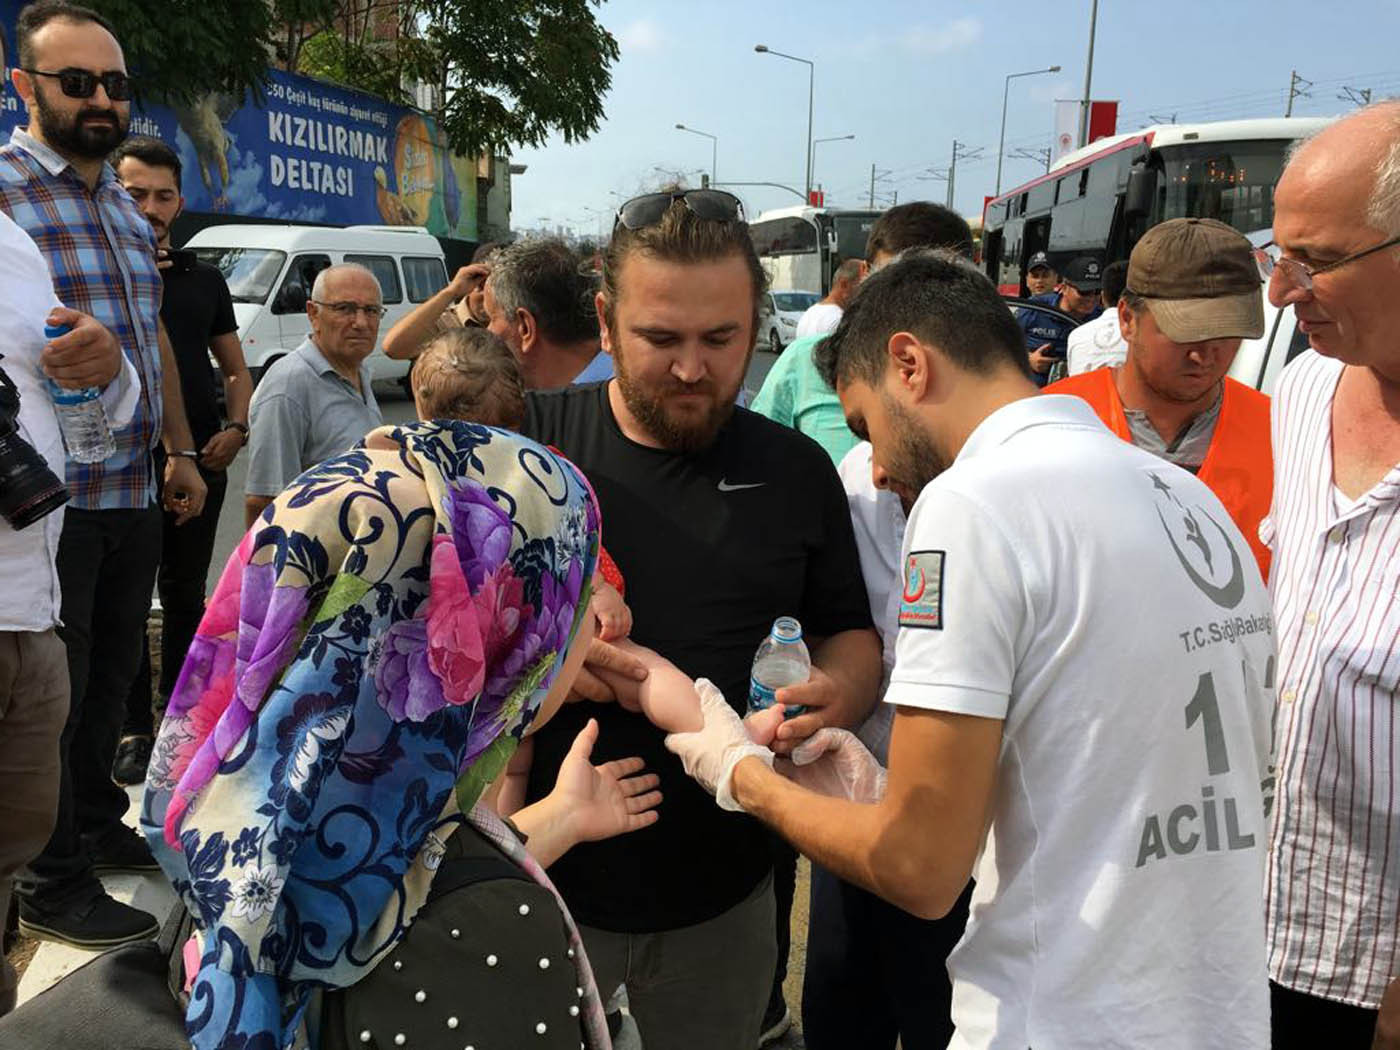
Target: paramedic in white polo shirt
1083,689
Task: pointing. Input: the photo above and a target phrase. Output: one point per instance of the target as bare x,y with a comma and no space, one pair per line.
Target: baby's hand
614,618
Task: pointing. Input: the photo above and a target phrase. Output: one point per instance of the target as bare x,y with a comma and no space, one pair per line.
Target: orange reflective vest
1239,465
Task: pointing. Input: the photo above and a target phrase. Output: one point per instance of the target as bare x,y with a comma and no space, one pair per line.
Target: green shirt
794,395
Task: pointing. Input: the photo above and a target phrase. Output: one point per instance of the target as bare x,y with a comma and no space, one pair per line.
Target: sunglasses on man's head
648,209
80,83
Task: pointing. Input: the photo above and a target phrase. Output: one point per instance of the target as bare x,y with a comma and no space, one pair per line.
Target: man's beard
76,139
676,432
913,461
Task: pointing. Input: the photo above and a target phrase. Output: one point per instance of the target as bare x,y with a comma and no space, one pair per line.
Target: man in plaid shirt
56,185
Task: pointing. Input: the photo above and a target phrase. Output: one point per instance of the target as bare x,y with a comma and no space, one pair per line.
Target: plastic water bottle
781,660
81,417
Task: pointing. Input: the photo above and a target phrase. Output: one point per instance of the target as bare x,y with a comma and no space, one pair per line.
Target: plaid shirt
101,252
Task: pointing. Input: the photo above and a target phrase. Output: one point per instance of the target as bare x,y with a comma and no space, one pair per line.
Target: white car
778,315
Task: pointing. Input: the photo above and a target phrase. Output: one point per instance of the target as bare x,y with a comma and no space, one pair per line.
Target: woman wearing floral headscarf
376,648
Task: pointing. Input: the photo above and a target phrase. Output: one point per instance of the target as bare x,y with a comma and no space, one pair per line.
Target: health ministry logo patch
922,604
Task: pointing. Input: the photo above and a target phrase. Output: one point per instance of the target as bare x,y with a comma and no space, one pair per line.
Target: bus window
852,231
1229,181
1040,199
791,236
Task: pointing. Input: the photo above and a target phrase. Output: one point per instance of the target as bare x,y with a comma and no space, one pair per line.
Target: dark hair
148,151
485,250
469,373
939,297
919,224
682,237
545,278
1115,279
33,17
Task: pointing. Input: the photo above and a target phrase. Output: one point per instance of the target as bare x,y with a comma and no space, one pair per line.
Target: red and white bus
1100,199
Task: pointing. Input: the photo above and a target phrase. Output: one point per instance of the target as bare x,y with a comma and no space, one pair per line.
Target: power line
1356,96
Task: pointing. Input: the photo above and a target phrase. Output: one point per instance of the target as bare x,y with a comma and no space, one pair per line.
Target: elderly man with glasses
1333,908
316,402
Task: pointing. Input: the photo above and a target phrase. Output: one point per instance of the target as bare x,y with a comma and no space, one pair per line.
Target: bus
1099,200
801,247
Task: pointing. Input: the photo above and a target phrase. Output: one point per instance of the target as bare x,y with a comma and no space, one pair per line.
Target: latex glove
710,754
835,763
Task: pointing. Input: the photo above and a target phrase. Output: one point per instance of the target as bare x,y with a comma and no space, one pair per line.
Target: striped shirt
1334,862
101,253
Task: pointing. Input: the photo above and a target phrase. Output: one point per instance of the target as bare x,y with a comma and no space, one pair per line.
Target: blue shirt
1041,328
600,368
101,254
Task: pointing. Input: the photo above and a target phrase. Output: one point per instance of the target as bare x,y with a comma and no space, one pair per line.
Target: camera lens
28,488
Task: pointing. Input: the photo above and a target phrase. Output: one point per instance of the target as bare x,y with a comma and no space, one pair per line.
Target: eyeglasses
79,83
1302,274
348,311
648,209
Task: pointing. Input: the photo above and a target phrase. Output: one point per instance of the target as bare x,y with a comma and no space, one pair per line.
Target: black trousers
106,566
784,889
1307,1022
875,973
186,551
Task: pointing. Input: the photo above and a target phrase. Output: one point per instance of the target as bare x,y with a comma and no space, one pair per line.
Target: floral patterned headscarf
374,651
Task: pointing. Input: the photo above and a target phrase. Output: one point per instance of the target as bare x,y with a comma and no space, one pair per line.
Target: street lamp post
714,146
1006,91
818,142
764,49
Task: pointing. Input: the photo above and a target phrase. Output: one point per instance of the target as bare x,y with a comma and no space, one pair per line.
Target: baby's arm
514,780
667,697
614,618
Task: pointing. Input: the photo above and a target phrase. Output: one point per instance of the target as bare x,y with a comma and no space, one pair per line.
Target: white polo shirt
1096,344
878,521
1101,603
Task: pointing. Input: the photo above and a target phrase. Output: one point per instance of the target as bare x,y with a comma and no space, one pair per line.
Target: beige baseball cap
1200,281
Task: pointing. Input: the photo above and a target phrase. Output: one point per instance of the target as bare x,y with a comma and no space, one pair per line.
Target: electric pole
1297,88
876,176
1088,76
960,152
1356,96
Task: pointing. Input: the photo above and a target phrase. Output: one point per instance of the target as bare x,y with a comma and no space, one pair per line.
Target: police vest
1239,465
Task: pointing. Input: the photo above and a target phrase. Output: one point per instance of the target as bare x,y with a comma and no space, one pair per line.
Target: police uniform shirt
1103,606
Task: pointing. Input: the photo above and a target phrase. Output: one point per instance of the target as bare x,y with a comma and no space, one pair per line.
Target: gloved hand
710,754
834,762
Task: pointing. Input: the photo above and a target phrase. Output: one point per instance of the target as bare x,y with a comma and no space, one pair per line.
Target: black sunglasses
647,210
79,83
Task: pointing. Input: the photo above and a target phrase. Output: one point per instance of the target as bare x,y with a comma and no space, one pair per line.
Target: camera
28,488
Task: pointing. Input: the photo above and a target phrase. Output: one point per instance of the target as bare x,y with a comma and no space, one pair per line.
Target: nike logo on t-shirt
725,486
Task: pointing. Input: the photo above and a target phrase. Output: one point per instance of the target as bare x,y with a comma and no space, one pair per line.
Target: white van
270,270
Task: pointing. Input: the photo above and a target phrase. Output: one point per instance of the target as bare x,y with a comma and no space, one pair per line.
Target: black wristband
242,428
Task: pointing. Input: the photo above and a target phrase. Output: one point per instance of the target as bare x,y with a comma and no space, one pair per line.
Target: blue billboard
310,152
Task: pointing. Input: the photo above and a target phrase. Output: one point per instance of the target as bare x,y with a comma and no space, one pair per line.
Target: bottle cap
53,331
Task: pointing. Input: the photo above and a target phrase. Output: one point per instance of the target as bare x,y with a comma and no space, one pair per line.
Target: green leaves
506,72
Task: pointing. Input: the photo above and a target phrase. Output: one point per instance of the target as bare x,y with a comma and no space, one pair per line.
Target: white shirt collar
1033,411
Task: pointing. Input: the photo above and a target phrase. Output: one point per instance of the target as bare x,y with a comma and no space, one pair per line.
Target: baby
470,374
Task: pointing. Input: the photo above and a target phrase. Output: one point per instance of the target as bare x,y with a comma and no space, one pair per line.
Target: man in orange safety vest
1193,296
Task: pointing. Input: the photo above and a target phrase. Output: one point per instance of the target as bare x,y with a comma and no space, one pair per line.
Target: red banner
1103,120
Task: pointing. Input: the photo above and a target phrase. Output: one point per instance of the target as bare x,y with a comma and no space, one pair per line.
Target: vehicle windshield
249,272
852,231
1229,181
791,302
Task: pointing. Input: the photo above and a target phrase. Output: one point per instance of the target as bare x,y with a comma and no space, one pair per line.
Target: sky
907,78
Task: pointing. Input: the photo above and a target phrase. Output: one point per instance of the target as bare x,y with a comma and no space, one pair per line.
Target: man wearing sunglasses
55,183
1333,909
721,521
316,402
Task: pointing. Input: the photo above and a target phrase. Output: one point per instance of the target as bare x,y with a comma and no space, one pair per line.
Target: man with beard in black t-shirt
197,311
720,521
